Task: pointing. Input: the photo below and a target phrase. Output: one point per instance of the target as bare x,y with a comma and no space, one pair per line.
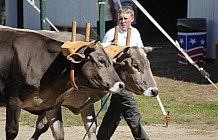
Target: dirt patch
155,132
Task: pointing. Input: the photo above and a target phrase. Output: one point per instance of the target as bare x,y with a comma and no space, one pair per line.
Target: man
123,103
119,3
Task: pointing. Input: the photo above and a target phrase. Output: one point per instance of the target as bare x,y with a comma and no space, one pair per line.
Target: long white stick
161,29
175,43
161,105
32,3
119,3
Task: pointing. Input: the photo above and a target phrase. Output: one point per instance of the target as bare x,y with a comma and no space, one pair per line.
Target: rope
32,3
175,43
119,3
96,116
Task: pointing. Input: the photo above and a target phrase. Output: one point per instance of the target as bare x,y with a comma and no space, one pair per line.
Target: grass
189,104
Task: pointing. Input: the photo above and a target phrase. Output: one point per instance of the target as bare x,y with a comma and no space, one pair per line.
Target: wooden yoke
114,50
71,47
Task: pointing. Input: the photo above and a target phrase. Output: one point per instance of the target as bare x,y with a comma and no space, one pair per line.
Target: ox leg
88,116
13,109
42,126
55,122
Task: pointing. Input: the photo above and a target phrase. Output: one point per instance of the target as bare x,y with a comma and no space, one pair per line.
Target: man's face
125,20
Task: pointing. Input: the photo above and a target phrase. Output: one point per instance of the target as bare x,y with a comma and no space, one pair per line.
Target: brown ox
34,73
133,67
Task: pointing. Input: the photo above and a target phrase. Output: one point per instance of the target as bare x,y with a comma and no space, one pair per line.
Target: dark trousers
122,104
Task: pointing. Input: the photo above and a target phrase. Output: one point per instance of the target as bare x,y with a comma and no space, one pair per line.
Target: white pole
32,3
119,3
175,43
161,105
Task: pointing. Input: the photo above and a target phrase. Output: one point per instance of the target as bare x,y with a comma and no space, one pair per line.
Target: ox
133,67
34,73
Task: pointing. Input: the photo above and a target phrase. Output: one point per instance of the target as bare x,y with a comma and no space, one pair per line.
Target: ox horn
150,49
92,45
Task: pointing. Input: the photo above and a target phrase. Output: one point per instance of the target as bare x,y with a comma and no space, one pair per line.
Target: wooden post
101,4
116,35
128,37
20,14
73,31
87,32
43,14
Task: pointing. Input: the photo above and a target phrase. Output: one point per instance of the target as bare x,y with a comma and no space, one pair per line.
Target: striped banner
194,44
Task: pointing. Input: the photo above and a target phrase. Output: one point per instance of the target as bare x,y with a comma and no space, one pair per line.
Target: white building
59,12
207,9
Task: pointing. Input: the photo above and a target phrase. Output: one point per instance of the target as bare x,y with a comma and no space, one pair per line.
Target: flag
194,44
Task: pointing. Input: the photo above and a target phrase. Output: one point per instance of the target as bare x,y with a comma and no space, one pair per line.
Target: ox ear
76,57
127,51
117,64
120,59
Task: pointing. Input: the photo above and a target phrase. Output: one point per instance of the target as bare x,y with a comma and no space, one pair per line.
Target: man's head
125,17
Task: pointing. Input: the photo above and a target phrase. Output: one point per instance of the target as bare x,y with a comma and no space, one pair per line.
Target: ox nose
151,92
117,87
121,85
154,92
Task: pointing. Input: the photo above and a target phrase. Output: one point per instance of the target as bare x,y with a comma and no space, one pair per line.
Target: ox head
133,67
93,68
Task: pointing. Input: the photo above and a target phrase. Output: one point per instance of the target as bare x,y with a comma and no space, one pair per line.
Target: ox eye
102,61
135,66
